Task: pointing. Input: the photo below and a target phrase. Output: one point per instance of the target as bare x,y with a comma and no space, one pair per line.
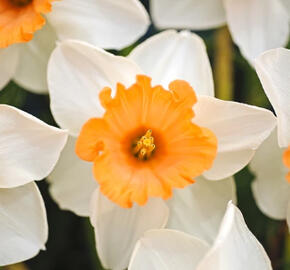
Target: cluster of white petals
29,149
235,247
270,188
106,23
78,71
255,25
199,227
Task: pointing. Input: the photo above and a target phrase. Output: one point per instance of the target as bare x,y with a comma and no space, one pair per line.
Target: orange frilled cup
146,143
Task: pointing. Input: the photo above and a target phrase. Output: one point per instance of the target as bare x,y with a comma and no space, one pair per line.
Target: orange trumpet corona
19,19
146,144
286,160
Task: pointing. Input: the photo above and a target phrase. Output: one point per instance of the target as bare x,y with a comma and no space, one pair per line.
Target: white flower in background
271,164
78,72
29,149
109,24
255,25
235,247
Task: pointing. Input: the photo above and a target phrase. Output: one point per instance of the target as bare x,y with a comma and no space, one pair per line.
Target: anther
138,147
142,153
144,147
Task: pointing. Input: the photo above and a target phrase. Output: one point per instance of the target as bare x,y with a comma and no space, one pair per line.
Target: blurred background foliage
71,240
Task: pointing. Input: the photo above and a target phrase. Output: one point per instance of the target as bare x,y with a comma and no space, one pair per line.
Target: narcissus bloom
105,23
235,247
146,143
29,149
271,163
146,136
255,25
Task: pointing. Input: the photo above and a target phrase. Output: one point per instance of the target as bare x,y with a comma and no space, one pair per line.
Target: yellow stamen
145,146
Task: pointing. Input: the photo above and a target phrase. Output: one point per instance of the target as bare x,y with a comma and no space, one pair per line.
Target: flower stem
287,250
17,266
223,64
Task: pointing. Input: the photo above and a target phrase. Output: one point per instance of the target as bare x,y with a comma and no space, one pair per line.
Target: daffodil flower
235,247
29,149
30,28
255,25
271,164
145,135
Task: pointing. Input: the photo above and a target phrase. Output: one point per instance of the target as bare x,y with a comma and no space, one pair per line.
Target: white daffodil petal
8,64
272,68
229,163
33,59
109,24
235,247
270,188
77,72
170,55
199,208
257,25
286,4
193,14
167,250
29,148
239,128
23,224
71,182
118,229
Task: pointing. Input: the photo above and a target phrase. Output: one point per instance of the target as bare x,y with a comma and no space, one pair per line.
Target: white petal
77,72
193,14
272,68
118,229
33,59
235,247
286,4
239,128
257,25
106,23
167,250
170,55
229,163
8,64
199,208
271,189
29,148
23,224
72,181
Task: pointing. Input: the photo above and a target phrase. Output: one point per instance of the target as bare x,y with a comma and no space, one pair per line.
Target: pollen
144,147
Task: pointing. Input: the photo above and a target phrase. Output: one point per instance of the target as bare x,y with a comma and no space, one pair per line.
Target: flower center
20,3
143,148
